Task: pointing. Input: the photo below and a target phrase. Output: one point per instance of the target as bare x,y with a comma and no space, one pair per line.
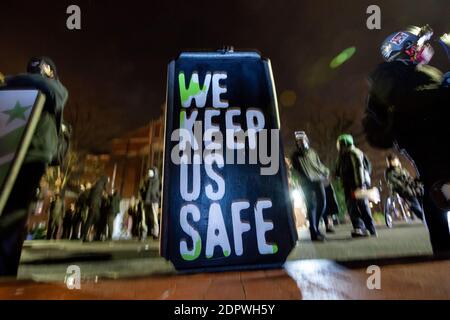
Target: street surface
134,270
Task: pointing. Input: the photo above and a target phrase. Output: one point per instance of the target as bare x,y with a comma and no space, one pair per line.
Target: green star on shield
18,112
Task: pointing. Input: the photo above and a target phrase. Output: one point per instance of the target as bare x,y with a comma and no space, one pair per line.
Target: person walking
400,181
353,168
150,194
68,222
56,218
313,176
94,203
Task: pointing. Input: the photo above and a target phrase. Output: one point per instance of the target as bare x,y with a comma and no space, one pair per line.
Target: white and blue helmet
405,43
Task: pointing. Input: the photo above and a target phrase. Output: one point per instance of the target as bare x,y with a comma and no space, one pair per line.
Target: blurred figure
102,227
68,221
114,210
150,195
353,168
94,203
56,217
136,215
313,175
406,108
331,209
399,181
41,74
81,206
133,220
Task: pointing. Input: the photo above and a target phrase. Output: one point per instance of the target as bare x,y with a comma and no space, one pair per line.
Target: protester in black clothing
94,203
81,206
400,181
406,108
42,75
56,216
354,171
150,194
313,175
331,209
68,222
102,225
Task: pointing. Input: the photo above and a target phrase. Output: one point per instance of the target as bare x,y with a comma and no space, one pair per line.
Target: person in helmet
42,75
313,175
353,169
400,181
406,108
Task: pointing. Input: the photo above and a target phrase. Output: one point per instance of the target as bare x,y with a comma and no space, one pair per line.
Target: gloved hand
2,79
373,195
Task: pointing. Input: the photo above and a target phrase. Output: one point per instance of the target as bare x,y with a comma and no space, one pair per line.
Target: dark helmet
35,65
408,44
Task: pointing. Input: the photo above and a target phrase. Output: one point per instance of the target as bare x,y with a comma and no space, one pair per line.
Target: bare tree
324,130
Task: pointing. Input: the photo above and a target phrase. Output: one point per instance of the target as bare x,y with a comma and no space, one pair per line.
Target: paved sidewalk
307,279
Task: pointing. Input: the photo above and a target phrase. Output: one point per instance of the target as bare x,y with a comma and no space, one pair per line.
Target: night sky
115,67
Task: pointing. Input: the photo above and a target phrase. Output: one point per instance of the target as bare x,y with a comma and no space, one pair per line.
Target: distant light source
342,57
288,98
448,220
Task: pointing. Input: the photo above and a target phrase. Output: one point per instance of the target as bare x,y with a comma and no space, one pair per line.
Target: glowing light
448,220
297,197
342,57
288,98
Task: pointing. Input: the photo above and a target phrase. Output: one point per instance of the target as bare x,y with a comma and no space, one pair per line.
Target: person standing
101,227
68,222
114,210
80,209
56,218
313,175
94,203
150,194
353,168
42,75
400,181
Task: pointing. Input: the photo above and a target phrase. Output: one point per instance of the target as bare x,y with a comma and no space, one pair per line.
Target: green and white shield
19,113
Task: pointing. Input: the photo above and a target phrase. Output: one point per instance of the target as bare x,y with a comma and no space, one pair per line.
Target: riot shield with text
226,203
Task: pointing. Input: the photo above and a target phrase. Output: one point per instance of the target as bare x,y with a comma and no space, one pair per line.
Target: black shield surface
249,86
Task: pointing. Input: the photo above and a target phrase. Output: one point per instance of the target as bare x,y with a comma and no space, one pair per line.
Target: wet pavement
307,279
134,270
48,260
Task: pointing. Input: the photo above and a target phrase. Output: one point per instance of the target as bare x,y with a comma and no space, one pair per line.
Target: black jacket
96,194
150,190
408,104
114,204
400,181
44,143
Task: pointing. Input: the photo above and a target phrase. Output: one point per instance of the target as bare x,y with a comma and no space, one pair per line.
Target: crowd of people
96,214
395,109
353,169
